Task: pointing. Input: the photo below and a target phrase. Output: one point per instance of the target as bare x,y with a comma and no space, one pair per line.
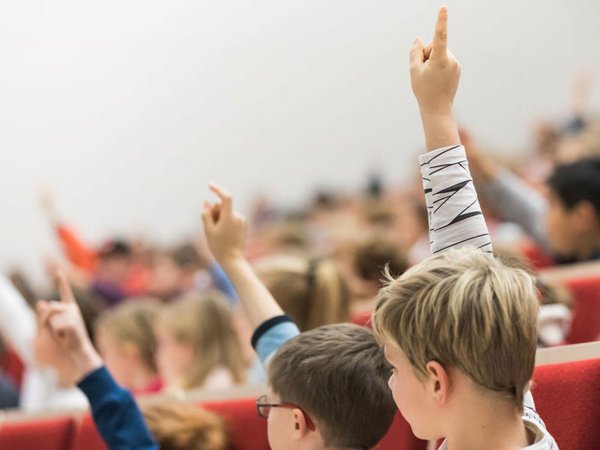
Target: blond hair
132,322
182,426
311,290
205,322
464,309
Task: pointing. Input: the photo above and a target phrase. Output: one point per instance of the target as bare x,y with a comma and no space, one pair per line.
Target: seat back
400,437
567,396
51,433
586,309
247,430
86,436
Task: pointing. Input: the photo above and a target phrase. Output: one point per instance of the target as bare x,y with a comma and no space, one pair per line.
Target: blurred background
125,110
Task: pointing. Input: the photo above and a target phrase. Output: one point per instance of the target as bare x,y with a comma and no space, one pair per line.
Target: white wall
126,108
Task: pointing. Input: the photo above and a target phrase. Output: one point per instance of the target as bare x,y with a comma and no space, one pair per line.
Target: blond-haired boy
460,328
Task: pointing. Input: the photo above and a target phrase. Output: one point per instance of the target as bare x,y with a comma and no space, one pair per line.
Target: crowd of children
455,322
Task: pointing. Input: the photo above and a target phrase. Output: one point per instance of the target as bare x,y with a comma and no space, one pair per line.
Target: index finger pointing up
224,196
64,288
440,38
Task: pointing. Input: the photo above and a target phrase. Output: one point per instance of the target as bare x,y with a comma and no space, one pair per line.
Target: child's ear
587,214
299,424
438,382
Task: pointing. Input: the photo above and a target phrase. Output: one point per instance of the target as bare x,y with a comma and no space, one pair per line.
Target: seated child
327,386
114,410
311,290
459,328
197,344
125,339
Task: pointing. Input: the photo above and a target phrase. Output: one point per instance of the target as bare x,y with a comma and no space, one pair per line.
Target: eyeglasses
263,408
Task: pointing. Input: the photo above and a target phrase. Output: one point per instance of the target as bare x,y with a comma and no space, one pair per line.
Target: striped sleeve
455,217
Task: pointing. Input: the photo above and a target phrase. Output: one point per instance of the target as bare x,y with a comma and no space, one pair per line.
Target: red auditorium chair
400,437
248,431
53,433
12,366
86,436
586,309
363,319
567,396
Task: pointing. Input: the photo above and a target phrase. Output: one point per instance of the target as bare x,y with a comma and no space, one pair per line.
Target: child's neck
490,426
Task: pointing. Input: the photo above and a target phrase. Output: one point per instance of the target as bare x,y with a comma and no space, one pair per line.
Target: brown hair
374,254
338,375
182,426
464,309
311,290
133,322
206,323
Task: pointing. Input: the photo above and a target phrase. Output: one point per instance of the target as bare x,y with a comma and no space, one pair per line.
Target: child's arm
225,233
455,217
115,413
77,252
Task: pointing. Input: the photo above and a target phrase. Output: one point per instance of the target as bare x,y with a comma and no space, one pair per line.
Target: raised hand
225,233
224,228
62,322
434,74
434,71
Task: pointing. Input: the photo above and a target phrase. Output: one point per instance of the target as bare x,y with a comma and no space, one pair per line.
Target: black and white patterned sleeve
455,217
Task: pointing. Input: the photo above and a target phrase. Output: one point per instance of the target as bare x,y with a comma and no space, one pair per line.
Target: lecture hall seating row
566,387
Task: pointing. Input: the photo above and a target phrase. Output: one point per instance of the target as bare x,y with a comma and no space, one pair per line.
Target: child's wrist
232,261
86,360
441,129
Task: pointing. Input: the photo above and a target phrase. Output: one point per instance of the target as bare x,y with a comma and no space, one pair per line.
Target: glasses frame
261,402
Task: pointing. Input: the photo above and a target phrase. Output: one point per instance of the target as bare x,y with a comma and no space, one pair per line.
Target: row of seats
567,396
247,431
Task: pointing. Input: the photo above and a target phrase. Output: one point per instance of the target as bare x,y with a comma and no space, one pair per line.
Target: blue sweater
115,413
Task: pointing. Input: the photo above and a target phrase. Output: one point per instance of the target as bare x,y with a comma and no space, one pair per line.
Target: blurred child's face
114,268
410,394
173,358
166,277
561,226
118,359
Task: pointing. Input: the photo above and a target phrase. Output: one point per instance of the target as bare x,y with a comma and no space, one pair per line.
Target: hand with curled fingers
225,229
63,323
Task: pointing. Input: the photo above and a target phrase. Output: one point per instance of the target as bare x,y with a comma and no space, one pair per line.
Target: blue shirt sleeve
115,413
222,282
271,335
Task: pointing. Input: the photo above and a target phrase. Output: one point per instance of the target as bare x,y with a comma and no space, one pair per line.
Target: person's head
459,329
333,380
125,339
311,290
114,260
182,426
173,271
573,217
196,335
373,255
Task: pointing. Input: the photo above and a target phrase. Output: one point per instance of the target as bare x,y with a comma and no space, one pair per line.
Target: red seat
53,433
536,257
12,366
86,436
586,309
248,431
567,396
363,319
400,437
